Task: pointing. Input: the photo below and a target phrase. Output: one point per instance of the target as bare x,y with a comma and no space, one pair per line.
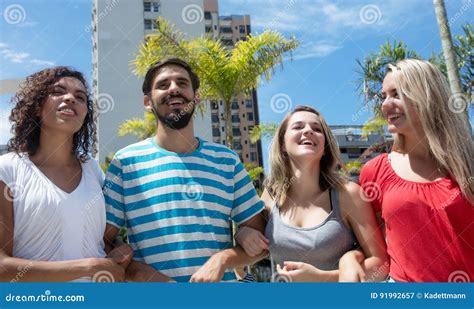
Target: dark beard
179,119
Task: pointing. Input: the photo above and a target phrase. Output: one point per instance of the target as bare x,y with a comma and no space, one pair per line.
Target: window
215,118
227,42
235,118
208,29
215,132
248,103
214,105
151,7
150,24
235,105
353,153
236,146
242,29
207,15
236,131
226,29
253,156
250,116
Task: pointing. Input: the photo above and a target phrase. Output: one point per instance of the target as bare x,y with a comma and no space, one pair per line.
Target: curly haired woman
52,211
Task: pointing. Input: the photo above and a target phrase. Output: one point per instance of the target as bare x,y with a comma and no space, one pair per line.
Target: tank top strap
334,200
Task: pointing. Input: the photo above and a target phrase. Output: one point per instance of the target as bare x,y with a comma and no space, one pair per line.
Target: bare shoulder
267,200
350,192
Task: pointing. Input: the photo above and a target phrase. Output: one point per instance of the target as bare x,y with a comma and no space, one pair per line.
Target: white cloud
316,50
21,57
16,57
41,62
29,24
326,21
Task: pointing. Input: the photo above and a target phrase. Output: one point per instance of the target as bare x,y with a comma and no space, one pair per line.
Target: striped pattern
177,207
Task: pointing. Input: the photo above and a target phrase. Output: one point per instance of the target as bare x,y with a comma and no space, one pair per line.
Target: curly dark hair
28,102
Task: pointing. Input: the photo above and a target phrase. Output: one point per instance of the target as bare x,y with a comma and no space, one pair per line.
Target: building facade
119,27
230,30
353,144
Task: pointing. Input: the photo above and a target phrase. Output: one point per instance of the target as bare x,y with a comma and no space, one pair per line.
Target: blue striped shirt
177,207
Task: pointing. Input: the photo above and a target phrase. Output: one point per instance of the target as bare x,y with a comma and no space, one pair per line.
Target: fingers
292,265
262,242
121,255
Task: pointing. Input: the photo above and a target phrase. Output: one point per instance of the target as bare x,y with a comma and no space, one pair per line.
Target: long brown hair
281,175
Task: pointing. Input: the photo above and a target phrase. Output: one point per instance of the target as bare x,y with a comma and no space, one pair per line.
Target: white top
50,224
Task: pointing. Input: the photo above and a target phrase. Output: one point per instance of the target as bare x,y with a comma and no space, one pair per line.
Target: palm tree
224,73
141,128
448,47
372,72
263,131
464,46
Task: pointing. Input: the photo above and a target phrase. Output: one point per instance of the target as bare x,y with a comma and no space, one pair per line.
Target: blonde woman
315,216
423,190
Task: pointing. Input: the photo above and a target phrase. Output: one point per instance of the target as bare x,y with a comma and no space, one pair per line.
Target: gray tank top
321,246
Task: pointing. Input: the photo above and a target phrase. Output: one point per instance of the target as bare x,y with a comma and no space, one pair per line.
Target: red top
429,226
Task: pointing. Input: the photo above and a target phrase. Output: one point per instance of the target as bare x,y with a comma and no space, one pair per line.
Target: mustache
172,96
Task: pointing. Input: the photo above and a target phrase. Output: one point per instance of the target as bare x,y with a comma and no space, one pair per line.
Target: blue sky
37,33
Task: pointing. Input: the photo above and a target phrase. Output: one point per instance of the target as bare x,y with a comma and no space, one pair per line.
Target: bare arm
213,270
362,220
17,269
136,271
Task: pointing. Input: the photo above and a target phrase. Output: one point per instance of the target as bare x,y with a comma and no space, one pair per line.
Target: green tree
224,73
141,128
372,71
262,131
448,47
464,45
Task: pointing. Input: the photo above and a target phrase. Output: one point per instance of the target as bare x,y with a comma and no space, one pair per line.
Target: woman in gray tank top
316,218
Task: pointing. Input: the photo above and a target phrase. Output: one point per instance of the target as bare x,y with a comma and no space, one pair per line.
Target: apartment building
119,27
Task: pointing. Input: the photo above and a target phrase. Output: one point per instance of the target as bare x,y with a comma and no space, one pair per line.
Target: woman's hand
298,272
350,268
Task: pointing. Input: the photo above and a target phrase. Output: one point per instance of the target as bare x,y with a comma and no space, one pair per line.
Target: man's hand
212,271
121,255
251,240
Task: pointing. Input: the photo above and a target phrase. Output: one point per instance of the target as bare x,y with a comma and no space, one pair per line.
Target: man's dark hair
150,74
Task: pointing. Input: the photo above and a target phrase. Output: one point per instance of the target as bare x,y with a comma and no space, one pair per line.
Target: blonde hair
281,175
423,88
